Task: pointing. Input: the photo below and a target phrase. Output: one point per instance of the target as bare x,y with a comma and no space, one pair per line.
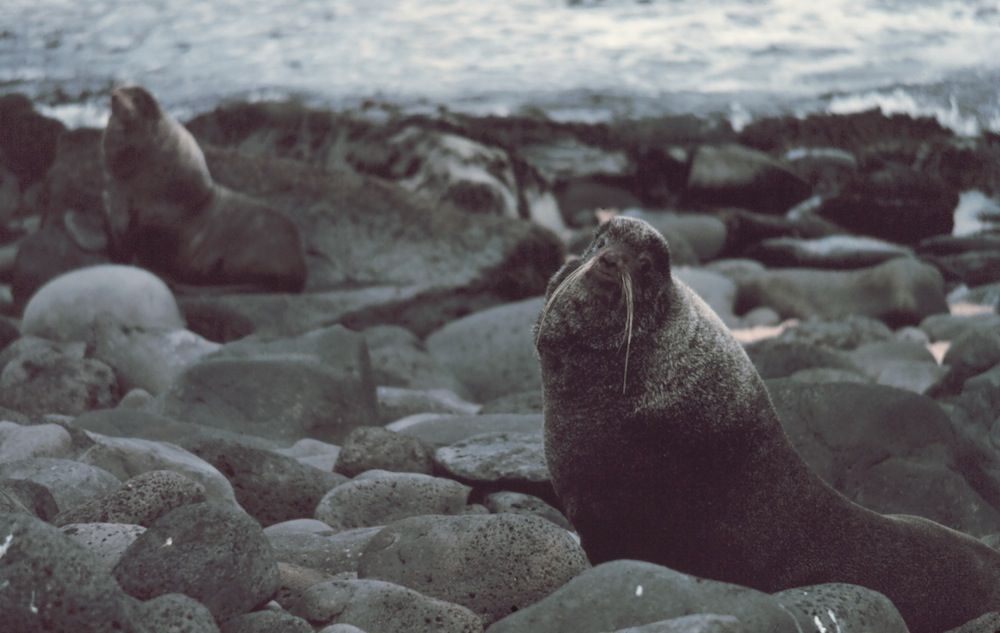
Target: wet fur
690,468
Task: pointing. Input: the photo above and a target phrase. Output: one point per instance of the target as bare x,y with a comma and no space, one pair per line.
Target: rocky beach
354,443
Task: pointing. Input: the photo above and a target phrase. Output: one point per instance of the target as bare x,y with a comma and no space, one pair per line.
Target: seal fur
688,465
164,210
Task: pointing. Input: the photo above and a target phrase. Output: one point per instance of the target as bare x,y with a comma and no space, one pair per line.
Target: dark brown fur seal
664,446
164,210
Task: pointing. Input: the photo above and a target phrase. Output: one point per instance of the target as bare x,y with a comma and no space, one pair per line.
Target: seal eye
601,242
645,264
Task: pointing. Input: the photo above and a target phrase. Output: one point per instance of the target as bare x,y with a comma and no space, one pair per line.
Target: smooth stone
32,496
840,252
146,424
330,553
492,351
625,593
128,457
71,305
700,623
736,175
107,541
493,564
717,290
379,497
299,526
148,359
395,403
443,430
842,334
776,359
71,483
400,359
901,291
266,622
283,398
526,402
40,440
947,327
211,552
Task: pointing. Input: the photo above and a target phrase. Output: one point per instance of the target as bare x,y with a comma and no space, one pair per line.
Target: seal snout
609,264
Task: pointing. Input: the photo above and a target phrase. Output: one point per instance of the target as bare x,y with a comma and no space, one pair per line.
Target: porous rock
53,584
176,613
520,503
498,460
211,552
139,501
377,448
493,564
270,487
840,606
378,497
33,496
381,607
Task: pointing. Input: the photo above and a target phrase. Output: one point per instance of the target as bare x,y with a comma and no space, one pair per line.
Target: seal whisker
566,283
629,311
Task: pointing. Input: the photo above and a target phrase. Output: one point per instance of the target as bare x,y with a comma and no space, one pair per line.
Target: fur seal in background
664,446
164,210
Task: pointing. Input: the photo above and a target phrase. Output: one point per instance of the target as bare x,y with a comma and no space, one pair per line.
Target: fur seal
663,446
163,208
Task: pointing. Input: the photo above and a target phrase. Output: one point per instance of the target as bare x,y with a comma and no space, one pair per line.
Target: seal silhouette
663,446
164,210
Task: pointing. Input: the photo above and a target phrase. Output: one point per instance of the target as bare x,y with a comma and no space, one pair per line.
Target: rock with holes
128,457
375,447
139,501
841,607
176,613
43,377
520,503
211,552
107,541
378,497
270,487
627,593
493,564
381,607
32,496
71,483
51,583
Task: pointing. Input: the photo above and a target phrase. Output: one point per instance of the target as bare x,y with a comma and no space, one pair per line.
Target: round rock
211,552
107,541
71,483
374,447
69,306
508,460
139,501
493,564
837,606
379,497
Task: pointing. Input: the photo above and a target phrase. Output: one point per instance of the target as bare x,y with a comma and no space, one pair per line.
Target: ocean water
584,60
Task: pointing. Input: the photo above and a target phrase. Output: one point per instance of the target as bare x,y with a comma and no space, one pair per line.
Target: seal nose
609,263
